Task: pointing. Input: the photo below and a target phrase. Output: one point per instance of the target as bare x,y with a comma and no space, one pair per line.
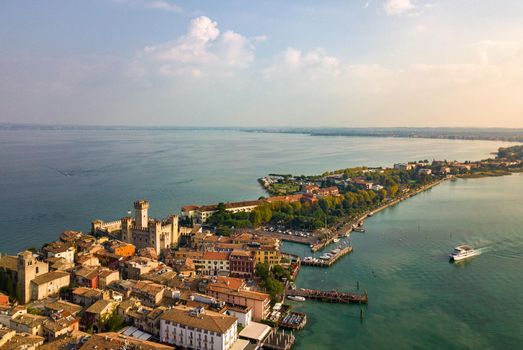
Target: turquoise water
417,299
56,180
51,181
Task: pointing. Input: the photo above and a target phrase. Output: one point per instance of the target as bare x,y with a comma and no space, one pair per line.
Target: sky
350,63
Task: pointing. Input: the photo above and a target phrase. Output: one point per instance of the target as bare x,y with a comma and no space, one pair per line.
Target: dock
331,296
327,262
294,321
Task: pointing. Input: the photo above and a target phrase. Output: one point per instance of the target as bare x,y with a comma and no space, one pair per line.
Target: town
213,278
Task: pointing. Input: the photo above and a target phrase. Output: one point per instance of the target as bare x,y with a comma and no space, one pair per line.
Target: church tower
28,268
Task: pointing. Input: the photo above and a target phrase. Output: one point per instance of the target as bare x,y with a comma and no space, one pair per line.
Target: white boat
336,240
295,298
462,252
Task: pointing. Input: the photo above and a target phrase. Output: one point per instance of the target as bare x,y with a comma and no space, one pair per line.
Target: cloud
163,5
314,64
397,7
202,51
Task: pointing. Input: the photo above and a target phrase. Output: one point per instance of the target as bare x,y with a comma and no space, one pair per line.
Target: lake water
51,181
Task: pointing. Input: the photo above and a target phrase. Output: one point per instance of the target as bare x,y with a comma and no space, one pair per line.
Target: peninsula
215,276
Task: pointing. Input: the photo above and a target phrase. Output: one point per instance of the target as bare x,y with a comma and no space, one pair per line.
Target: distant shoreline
443,133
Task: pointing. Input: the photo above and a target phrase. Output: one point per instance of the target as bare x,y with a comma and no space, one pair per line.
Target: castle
142,231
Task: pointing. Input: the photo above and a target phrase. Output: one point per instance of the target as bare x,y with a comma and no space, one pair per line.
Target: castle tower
126,234
142,216
28,268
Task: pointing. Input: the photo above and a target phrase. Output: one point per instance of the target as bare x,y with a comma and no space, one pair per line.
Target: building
150,294
215,263
200,214
88,296
28,268
242,264
110,341
267,255
404,166
121,248
27,323
138,266
96,277
98,313
59,250
49,284
198,328
142,231
234,292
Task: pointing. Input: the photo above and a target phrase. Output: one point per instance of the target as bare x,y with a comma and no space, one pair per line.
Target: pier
331,296
309,261
294,321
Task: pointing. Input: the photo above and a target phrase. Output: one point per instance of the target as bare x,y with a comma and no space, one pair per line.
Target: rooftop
100,306
110,341
208,320
49,276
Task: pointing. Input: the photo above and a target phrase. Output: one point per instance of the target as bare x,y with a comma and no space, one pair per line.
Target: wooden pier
330,262
331,296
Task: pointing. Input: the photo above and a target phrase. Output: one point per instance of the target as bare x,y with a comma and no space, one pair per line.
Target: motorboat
295,298
462,252
336,240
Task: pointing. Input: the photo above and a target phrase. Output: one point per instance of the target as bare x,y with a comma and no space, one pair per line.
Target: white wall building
197,328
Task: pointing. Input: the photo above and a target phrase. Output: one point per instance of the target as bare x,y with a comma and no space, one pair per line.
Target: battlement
141,204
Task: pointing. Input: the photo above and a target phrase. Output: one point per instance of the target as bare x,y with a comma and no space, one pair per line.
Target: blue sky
262,63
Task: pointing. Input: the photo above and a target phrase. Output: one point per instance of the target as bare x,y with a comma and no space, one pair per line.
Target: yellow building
267,255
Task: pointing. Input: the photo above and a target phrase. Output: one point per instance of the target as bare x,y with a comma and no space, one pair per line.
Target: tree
262,271
393,190
114,323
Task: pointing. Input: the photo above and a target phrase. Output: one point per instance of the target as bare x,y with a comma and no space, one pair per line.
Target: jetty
334,256
294,321
331,296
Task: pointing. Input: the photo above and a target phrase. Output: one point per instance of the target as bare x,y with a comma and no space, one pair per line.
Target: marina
294,321
328,259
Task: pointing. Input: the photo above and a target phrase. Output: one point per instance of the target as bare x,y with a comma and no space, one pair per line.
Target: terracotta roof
190,207
64,305
231,205
241,253
9,262
23,340
241,293
29,320
100,306
207,320
228,282
215,256
110,341
49,276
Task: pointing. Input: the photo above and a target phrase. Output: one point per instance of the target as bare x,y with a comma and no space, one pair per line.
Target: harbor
327,259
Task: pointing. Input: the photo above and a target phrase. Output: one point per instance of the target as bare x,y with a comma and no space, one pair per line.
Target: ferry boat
462,252
296,298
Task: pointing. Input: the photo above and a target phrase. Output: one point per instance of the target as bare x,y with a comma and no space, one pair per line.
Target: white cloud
398,7
164,5
313,64
202,51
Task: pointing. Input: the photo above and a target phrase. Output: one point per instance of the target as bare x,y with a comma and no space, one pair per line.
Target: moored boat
296,298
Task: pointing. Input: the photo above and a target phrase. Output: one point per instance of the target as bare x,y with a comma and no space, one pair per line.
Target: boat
296,298
347,234
336,240
359,229
462,252
325,257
